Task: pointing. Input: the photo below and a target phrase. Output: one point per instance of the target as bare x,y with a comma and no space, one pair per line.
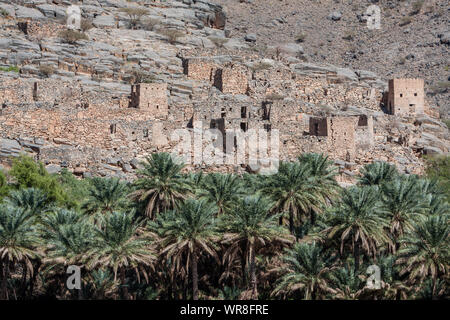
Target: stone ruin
65,124
345,135
36,29
406,97
152,97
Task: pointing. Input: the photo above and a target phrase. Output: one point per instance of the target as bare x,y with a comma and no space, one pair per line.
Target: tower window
401,95
415,94
113,128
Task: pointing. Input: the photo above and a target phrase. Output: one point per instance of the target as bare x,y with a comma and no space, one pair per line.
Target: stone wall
406,97
232,78
39,29
202,69
151,97
343,136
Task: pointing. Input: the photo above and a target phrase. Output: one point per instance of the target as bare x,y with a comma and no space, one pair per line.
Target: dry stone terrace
89,118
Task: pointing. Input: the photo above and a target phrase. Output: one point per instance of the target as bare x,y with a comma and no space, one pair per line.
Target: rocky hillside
64,95
413,40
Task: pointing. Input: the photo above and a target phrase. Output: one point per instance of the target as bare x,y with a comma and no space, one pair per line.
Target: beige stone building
151,97
406,97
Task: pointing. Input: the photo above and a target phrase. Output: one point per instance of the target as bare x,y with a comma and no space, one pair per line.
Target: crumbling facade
151,97
406,97
39,29
202,69
344,135
232,79
69,125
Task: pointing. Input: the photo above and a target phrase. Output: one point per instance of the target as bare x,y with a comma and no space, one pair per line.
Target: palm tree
404,201
160,184
251,226
431,291
102,284
67,235
105,196
223,190
195,180
358,221
18,242
424,252
120,244
186,233
32,199
324,172
293,190
376,173
3,185
345,284
305,269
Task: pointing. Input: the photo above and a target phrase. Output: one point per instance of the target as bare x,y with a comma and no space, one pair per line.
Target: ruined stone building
152,97
406,97
344,135
99,131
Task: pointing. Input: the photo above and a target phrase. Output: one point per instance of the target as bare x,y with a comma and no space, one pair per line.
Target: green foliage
425,252
4,13
77,190
3,185
10,69
211,231
72,36
29,174
160,184
376,173
438,168
306,270
106,196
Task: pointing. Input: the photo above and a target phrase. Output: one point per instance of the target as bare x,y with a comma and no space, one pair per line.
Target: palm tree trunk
291,222
194,275
313,217
3,281
33,278
124,286
253,272
23,288
433,290
356,255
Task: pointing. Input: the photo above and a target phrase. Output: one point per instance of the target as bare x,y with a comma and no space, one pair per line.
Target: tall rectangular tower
406,97
150,97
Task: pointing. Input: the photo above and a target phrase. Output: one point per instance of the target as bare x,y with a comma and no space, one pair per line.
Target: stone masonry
406,97
151,97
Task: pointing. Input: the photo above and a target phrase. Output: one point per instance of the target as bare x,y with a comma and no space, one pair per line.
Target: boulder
335,16
25,12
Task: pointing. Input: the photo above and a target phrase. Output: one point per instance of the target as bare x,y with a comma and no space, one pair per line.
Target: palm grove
168,235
